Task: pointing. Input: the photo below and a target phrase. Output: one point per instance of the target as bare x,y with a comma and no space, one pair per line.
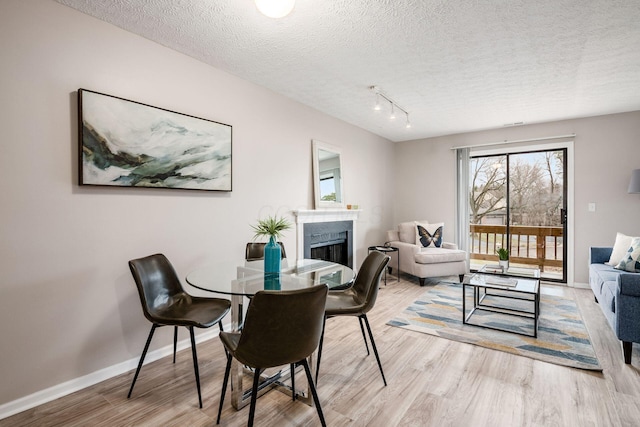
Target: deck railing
531,245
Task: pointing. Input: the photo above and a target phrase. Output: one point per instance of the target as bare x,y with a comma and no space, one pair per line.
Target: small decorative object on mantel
273,228
503,256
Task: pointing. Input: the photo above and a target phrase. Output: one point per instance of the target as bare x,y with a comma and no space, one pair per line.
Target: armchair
421,262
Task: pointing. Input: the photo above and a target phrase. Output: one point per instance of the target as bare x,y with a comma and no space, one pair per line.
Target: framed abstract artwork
128,144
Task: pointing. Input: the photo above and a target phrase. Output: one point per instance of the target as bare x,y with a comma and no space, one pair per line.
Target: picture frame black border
81,145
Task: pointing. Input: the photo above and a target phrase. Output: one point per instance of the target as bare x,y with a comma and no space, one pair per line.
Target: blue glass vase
272,256
271,281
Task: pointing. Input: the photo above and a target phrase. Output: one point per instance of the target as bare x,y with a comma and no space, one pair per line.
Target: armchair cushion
439,255
429,235
407,231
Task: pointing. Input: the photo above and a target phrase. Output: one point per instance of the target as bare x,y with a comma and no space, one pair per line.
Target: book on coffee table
500,281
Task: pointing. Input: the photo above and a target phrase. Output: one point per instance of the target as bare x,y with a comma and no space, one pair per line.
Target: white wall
606,150
69,305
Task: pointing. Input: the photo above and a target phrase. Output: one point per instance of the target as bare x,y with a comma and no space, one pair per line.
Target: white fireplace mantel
323,215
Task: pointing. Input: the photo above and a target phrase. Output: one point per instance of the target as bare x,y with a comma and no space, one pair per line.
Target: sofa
426,262
618,294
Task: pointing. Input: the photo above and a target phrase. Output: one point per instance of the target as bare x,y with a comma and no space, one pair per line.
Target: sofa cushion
407,231
631,261
609,295
439,255
429,235
604,272
600,273
620,248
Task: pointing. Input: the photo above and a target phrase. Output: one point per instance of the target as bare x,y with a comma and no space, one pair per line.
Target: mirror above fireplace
327,176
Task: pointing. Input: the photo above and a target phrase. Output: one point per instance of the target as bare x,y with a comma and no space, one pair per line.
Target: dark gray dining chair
281,328
255,251
165,303
357,301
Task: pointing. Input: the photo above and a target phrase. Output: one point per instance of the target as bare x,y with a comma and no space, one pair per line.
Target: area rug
562,337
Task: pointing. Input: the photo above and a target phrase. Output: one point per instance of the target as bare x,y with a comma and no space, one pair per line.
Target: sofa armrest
599,255
449,245
630,284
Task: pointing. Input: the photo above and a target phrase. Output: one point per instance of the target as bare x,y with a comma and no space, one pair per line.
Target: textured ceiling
456,66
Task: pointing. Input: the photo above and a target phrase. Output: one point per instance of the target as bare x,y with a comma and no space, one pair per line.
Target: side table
387,250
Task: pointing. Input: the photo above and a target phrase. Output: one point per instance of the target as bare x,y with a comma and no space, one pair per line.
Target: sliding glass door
518,201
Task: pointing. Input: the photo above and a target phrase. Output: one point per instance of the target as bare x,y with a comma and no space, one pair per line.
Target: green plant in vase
503,256
271,227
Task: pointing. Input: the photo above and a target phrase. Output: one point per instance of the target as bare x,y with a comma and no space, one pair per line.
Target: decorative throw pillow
620,248
631,262
429,235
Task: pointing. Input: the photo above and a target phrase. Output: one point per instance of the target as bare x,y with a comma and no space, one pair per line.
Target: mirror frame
323,204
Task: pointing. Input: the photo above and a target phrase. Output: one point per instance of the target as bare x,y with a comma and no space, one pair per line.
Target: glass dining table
241,281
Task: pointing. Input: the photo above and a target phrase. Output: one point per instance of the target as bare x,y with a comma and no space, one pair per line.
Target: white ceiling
456,66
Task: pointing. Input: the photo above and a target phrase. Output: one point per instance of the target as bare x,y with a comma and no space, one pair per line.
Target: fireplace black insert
329,241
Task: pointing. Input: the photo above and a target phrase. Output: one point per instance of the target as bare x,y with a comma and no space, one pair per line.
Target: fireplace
329,235
329,241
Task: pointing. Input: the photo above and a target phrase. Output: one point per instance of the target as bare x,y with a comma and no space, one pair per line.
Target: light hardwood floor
432,382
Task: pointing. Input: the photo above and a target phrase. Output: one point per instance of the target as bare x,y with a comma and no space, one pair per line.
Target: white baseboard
581,285
60,390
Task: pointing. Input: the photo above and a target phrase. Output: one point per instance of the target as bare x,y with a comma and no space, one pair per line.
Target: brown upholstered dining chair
255,251
357,301
281,328
165,303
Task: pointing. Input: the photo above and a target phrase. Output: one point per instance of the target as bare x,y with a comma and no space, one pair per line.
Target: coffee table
492,285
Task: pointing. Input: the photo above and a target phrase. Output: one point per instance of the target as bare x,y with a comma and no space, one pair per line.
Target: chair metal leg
144,353
314,393
195,363
626,351
293,381
324,322
254,396
224,385
375,350
363,335
175,342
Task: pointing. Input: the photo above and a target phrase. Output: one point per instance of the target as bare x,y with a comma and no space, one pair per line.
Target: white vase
504,263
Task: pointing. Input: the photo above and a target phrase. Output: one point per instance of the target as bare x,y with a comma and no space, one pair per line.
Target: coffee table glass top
518,279
511,271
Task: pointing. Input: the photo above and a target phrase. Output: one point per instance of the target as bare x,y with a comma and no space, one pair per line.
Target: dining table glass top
248,278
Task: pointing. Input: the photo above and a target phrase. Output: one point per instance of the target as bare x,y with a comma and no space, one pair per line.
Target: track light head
392,104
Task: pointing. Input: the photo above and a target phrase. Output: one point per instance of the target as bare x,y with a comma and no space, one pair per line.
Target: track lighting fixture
392,104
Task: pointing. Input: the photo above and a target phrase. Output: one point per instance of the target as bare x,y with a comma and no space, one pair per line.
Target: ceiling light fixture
393,105
275,8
